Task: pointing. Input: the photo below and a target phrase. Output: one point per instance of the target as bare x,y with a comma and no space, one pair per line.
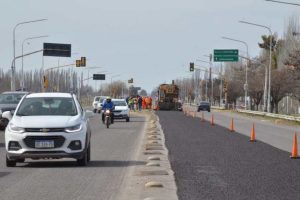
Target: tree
281,86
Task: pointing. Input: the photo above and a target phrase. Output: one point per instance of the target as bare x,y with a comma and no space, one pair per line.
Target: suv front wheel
10,163
86,158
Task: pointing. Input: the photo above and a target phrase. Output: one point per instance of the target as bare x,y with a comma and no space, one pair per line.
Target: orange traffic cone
295,148
202,118
212,120
231,128
252,138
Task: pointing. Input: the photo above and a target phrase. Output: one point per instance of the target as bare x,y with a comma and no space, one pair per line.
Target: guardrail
264,114
278,116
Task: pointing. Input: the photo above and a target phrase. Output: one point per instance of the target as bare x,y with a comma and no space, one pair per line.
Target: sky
152,42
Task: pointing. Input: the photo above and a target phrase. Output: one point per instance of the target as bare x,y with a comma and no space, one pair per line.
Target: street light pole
13,78
246,79
210,74
22,71
266,99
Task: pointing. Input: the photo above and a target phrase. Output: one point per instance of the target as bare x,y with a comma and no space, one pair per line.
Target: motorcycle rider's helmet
108,99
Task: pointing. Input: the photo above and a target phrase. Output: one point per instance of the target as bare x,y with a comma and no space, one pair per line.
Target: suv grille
44,130
58,140
117,111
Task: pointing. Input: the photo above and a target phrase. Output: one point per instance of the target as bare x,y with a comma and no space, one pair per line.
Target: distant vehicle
9,102
121,110
168,97
48,125
95,103
100,103
204,105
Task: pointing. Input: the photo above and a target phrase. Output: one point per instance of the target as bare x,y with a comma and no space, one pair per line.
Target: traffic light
192,67
46,83
130,80
83,61
78,62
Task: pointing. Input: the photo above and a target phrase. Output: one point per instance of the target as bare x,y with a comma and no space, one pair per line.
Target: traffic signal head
78,62
130,80
192,67
83,61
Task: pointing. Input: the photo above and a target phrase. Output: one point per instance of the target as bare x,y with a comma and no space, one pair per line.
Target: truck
168,97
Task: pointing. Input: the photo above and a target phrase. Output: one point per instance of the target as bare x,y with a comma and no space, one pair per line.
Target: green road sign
226,55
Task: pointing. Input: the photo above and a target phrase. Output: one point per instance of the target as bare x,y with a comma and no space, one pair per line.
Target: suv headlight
73,129
15,129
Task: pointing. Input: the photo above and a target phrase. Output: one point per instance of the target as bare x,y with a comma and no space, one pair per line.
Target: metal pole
294,4
246,78
268,99
13,78
221,89
270,72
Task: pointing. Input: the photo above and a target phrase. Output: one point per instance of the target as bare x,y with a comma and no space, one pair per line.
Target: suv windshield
47,106
10,98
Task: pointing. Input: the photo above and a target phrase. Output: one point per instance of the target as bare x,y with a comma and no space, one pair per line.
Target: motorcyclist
108,104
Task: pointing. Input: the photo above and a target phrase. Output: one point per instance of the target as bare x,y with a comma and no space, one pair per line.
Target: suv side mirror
7,115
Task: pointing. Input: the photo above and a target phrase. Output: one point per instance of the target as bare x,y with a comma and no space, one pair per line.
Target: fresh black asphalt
212,163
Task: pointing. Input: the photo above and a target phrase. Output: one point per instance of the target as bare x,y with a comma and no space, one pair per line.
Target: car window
119,103
97,98
204,103
47,106
10,98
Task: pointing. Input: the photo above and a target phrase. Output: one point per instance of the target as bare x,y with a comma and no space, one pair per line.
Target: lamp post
13,78
22,71
246,79
267,99
212,82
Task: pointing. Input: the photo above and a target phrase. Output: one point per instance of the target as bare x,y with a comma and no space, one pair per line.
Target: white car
48,125
121,110
95,103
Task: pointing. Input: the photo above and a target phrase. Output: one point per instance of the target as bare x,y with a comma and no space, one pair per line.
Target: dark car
9,102
204,105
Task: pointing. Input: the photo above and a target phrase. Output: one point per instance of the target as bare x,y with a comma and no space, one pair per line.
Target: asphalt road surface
279,136
213,163
113,153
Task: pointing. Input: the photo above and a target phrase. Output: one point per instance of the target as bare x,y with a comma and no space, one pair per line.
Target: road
279,136
113,153
212,163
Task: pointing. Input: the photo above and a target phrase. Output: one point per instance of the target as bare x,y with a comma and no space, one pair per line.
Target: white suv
121,110
48,125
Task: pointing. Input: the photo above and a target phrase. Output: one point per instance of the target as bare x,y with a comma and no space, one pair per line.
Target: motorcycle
107,117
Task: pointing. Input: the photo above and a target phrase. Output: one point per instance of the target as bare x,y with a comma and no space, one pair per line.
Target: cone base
252,140
231,130
294,157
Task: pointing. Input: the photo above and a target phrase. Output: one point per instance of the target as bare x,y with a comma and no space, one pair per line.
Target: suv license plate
44,144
